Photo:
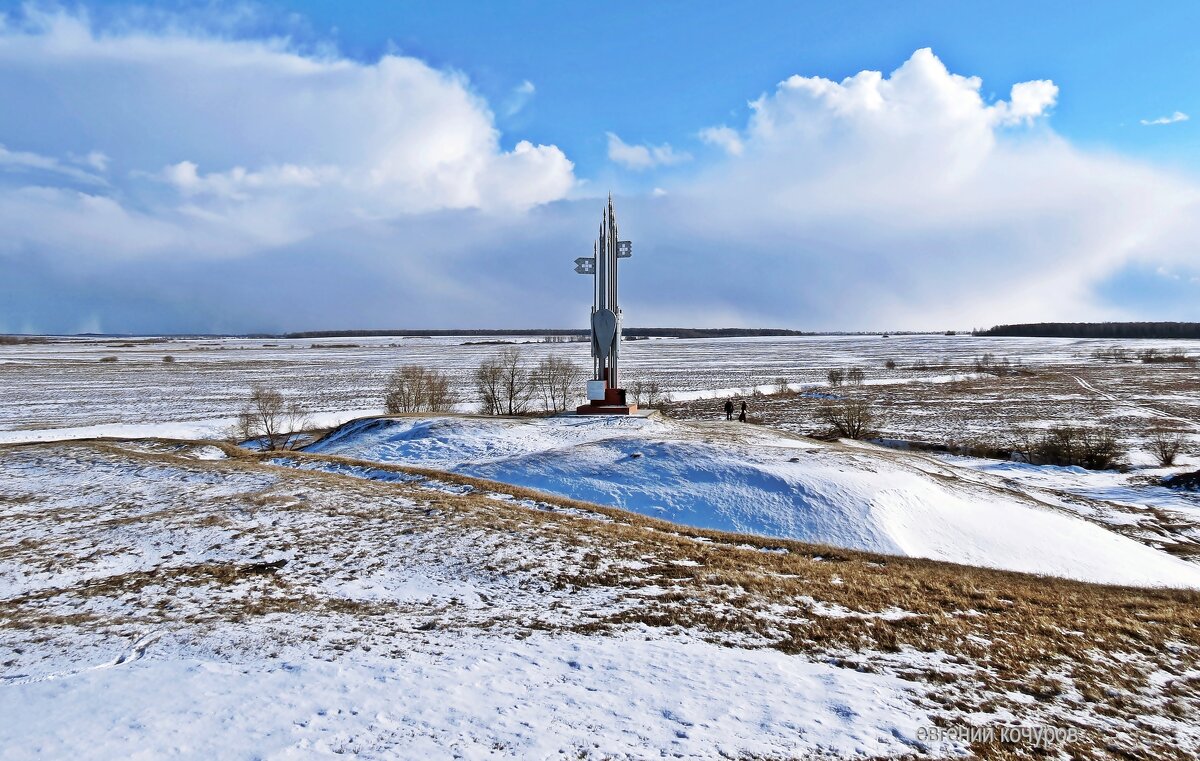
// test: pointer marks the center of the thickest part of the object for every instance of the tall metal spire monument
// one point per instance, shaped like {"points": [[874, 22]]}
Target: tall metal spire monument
{"points": [[605, 396]]}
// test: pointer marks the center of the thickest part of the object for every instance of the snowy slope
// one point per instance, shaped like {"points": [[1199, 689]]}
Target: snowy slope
{"points": [[390, 633], [470, 697], [748, 479]]}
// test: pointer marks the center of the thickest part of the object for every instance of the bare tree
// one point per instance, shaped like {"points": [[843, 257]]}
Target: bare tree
{"points": [[557, 380], [647, 394], [849, 418], [654, 395], [516, 384], [270, 419], [417, 389], [636, 390], [505, 387], [855, 376], [487, 385], [1166, 445], [836, 377]]}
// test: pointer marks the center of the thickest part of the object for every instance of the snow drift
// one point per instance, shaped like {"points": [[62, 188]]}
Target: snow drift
{"points": [[753, 480]]}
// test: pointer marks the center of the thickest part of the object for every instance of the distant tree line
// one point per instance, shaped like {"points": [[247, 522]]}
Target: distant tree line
{"points": [[1096, 330], [628, 332]]}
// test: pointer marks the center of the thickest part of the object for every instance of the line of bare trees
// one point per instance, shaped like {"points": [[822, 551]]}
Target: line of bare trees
{"points": [[506, 387], [503, 383]]}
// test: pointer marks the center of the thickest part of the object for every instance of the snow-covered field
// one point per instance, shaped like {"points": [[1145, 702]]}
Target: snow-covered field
{"points": [[160, 598], [747, 479], [63, 389]]}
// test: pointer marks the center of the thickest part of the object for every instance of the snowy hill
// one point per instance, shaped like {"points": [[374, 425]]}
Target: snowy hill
{"points": [[189, 600], [753, 480]]}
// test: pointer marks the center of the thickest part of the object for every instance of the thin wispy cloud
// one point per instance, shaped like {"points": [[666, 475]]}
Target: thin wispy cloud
{"points": [[639, 157], [28, 161], [519, 98], [1174, 118]]}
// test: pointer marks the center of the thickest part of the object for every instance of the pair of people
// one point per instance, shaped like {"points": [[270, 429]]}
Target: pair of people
{"points": [[729, 411]]}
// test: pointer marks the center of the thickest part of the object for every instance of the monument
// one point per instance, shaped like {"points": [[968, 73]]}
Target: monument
{"points": [[604, 393]]}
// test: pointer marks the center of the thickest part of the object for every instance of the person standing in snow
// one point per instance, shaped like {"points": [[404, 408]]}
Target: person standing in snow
{"points": [[742, 417], [729, 409]]}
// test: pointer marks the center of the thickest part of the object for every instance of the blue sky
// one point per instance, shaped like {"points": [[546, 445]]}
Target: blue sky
{"points": [[429, 161]]}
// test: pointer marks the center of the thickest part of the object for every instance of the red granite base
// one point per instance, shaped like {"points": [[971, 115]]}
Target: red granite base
{"points": [[612, 404], [606, 409]]}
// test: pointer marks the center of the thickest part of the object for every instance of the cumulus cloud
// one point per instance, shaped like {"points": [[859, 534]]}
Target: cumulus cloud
{"points": [[909, 199], [640, 157], [1027, 101], [393, 136], [1174, 118], [174, 146]]}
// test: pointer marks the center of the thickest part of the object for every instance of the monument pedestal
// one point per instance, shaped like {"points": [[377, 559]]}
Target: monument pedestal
{"points": [[613, 403]]}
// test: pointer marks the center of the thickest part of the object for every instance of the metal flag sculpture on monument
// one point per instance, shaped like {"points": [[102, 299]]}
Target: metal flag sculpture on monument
{"points": [[605, 396]]}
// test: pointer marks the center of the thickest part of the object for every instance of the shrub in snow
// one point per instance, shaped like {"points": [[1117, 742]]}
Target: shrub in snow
{"points": [[1166, 445], [1091, 447], [849, 418]]}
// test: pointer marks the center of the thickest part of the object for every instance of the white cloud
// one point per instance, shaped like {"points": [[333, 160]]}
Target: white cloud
{"points": [[907, 199], [97, 160], [26, 161], [240, 184], [395, 136], [159, 170], [519, 98], [1027, 101], [1174, 118], [723, 137], [640, 157]]}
